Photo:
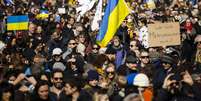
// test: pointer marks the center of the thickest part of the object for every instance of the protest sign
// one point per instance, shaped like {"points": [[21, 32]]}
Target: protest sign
{"points": [[164, 34], [61, 10]]}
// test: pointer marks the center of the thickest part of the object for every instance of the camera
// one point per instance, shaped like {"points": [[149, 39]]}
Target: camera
{"points": [[28, 85], [175, 87]]}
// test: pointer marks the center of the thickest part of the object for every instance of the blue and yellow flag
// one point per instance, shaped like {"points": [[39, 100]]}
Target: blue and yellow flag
{"points": [[17, 22], [43, 14], [115, 13]]}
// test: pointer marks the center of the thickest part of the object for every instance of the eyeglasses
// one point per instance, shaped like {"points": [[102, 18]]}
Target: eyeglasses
{"points": [[57, 55], [165, 63], [132, 62], [96, 48], [144, 56], [57, 78], [199, 42], [110, 73]]}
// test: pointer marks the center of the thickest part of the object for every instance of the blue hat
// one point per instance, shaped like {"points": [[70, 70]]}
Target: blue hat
{"points": [[92, 75], [130, 78]]}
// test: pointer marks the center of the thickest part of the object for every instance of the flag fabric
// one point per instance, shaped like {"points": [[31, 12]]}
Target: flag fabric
{"points": [[43, 14], [115, 13], [9, 2], [85, 5], [17, 22], [97, 17], [150, 4], [71, 2]]}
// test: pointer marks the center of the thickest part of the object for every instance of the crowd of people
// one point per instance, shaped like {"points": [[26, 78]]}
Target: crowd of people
{"points": [[58, 59]]}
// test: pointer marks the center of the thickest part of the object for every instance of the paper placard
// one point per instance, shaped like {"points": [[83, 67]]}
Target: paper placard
{"points": [[164, 34], [2, 45], [61, 10]]}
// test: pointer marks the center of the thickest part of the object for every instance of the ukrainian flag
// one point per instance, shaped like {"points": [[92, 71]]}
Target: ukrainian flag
{"points": [[43, 14], [17, 22], [115, 13]]}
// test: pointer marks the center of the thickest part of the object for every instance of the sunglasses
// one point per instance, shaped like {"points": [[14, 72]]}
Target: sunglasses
{"points": [[132, 62], [58, 79], [199, 42], [144, 56], [165, 63], [96, 48], [110, 73], [57, 55]]}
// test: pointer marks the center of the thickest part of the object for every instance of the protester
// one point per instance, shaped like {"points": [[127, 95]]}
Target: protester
{"points": [[85, 50], [57, 81], [41, 92]]}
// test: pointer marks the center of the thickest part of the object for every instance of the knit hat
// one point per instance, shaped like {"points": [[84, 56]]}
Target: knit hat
{"points": [[130, 96], [92, 75], [59, 65], [110, 51], [167, 59], [131, 59]]}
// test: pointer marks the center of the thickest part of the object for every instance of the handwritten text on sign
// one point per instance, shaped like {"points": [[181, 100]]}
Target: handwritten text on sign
{"points": [[164, 34]]}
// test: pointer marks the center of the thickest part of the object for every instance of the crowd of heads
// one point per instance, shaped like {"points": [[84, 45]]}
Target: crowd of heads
{"points": [[58, 59]]}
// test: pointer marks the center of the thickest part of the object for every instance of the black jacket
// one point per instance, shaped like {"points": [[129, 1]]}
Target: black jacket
{"points": [[184, 95]]}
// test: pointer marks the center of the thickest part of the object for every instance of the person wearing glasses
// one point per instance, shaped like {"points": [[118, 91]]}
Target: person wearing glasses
{"points": [[198, 52], [93, 54], [56, 62], [57, 81], [111, 77], [145, 66], [144, 59]]}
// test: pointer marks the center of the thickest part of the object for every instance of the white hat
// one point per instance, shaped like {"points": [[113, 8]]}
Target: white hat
{"points": [[198, 38], [56, 51], [141, 80]]}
